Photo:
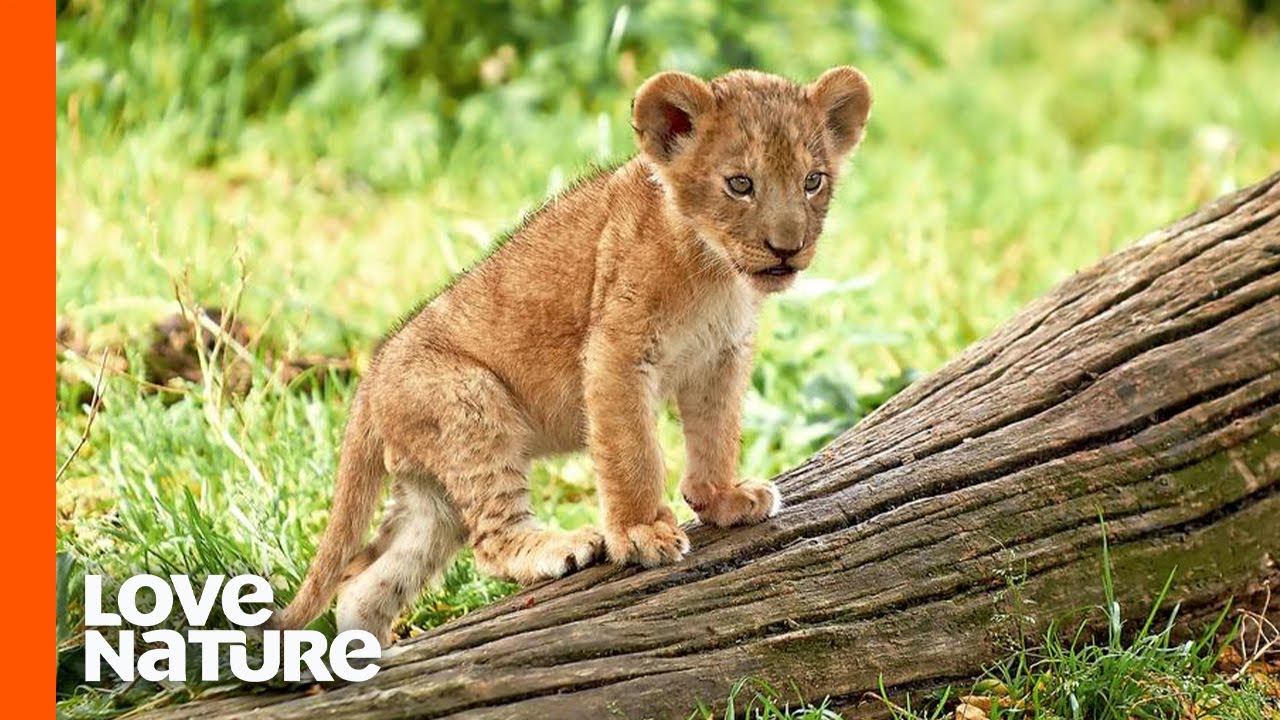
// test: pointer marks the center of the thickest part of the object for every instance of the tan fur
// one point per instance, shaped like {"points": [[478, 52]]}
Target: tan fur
{"points": [[638, 286]]}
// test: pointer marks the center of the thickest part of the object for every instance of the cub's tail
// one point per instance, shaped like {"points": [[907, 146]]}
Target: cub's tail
{"points": [[355, 498]]}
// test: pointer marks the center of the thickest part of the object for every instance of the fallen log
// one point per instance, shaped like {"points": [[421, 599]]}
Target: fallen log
{"points": [[1145, 388]]}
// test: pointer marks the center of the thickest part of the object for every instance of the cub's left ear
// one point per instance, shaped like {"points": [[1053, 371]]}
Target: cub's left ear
{"points": [[843, 95]]}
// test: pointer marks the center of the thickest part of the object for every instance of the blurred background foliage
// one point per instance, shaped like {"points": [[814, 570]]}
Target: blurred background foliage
{"points": [[208, 66], [216, 63], [320, 165]]}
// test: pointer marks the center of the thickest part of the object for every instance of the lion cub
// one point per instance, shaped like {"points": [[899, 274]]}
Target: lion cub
{"points": [[638, 285]]}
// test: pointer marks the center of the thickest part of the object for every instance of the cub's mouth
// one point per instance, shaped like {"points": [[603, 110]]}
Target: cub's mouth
{"points": [[779, 270], [774, 278]]}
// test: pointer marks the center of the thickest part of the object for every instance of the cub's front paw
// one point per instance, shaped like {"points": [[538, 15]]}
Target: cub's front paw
{"points": [[744, 504], [657, 543]]}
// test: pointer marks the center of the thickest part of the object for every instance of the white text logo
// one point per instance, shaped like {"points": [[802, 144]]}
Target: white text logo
{"points": [[289, 650]]}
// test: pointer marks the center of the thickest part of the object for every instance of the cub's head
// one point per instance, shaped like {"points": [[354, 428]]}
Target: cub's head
{"points": [[750, 159]]}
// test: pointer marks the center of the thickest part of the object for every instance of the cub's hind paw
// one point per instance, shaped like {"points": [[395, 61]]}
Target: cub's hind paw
{"points": [[747, 503], [657, 543], [565, 553]]}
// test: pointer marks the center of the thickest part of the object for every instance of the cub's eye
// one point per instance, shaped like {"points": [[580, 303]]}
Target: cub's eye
{"points": [[813, 182], [739, 185]]}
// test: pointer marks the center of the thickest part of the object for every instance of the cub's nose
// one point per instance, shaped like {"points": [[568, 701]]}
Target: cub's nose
{"points": [[782, 252]]}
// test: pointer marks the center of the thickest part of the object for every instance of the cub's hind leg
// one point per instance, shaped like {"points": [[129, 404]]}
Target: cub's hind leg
{"points": [[417, 539], [469, 432], [507, 541]]}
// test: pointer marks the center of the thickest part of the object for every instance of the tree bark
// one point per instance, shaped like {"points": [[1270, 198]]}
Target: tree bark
{"points": [[1145, 388]]}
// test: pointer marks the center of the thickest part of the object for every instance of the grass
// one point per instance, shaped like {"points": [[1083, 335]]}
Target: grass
{"points": [[1145, 674], [1009, 147], [1128, 673], [756, 699]]}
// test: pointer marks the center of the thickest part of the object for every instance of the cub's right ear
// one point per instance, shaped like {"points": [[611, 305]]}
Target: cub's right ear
{"points": [[665, 112]]}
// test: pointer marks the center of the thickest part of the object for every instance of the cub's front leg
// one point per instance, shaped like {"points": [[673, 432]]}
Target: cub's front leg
{"points": [[620, 390], [711, 412]]}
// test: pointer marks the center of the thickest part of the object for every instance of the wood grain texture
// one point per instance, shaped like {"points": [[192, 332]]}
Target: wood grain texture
{"points": [[1146, 387]]}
